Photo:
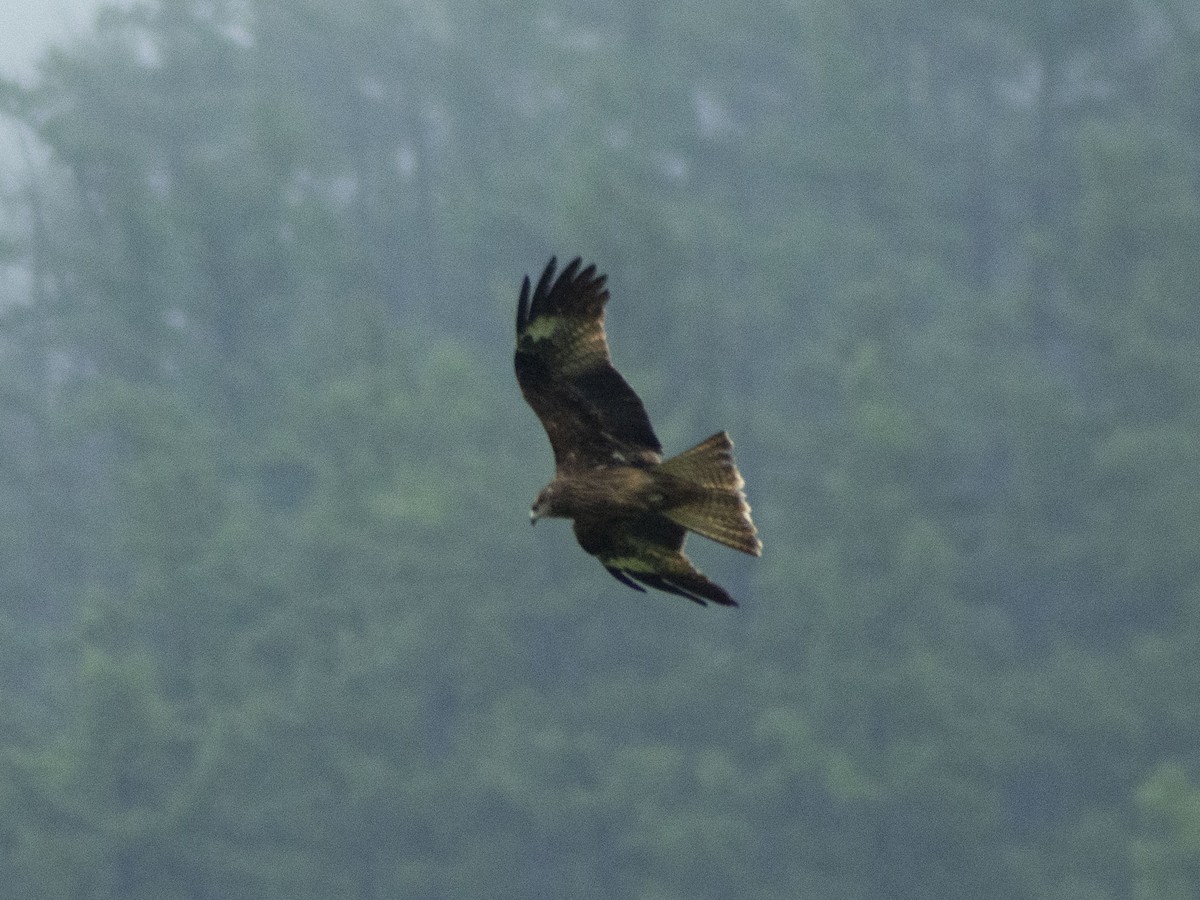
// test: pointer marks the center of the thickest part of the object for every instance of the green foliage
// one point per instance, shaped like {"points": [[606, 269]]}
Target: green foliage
{"points": [[270, 622]]}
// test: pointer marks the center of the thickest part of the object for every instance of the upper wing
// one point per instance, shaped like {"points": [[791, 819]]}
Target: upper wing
{"points": [[649, 550], [589, 411]]}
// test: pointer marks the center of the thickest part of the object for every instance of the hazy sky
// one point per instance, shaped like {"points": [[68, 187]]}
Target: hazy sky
{"points": [[27, 27]]}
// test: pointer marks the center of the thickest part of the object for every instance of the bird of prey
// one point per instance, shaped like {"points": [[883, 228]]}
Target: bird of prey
{"points": [[631, 509]]}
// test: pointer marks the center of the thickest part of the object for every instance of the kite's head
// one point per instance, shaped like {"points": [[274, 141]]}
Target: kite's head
{"points": [[543, 506]]}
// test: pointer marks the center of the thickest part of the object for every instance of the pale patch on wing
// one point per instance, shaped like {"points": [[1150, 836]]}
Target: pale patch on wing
{"points": [[542, 327]]}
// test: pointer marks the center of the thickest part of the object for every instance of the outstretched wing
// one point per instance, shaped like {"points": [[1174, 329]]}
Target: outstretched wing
{"points": [[589, 411], [649, 551]]}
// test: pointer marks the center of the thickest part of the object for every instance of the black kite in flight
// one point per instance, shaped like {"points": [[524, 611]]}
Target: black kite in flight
{"points": [[631, 509]]}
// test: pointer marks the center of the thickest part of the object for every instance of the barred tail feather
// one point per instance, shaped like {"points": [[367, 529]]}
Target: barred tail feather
{"points": [[718, 510], [724, 518], [709, 464]]}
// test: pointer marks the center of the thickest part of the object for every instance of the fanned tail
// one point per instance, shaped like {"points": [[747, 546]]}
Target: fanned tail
{"points": [[716, 507]]}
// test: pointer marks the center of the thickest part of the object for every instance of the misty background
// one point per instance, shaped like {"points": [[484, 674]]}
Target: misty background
{"points": [[272, 621], [29, 27]]}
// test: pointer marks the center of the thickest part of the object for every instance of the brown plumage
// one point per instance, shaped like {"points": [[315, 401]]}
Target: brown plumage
{"points": [[631, 509]]}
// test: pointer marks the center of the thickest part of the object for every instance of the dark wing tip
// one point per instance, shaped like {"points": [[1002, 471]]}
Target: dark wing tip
{"points": [[523, 307], [568, 274], [624, 579], [543, 289], [556, 289], [659, 583], [700, 591]]}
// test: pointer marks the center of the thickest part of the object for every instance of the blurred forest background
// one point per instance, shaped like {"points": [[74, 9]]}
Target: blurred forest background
{"points": [[272, 621]]}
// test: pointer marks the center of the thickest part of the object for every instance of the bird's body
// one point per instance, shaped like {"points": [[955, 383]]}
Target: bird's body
{"points": [[602, 491], [630, 508]]}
